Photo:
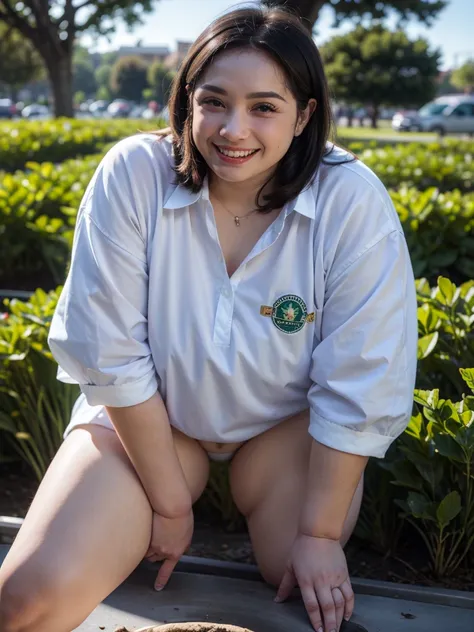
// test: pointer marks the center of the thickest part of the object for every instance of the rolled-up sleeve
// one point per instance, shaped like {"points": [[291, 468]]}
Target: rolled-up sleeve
{"points": [[99, 333], [363, 369]]}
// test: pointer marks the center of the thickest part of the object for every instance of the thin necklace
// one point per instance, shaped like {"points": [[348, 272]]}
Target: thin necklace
{"points": [[237, 218]]}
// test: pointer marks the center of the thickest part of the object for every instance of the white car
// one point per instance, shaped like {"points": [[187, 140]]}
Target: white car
{"points": [[36, 111], [451, 114]]}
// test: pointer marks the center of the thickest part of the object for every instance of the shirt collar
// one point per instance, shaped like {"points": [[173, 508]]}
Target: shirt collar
{"points": [[178, 196]]}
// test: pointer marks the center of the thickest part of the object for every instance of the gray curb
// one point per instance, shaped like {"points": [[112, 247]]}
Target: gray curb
{"points": [[9, 526]]}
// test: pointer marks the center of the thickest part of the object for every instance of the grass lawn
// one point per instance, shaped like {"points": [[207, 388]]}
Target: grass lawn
{"points": [[385, 132]]}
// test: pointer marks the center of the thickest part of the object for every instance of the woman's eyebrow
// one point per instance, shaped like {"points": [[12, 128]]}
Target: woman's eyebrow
{"points": [[253, 95]]}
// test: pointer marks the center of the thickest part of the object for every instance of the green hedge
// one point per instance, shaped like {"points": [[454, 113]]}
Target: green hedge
{"points": [[446, 166], [439, 228], [61, 139]]}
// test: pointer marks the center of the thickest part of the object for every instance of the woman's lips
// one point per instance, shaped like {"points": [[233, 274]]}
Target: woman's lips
{"points": [[233, 160]]}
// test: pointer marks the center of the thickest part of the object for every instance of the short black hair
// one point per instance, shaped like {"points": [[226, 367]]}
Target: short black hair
{"points": [[282, 36]]}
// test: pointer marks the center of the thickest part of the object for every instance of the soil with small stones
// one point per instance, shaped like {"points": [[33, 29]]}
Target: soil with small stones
{"points": [[211, 540]]}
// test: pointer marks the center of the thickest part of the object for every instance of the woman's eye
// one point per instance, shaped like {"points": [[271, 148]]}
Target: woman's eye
{"points": [[266, 107], [213, 102]]}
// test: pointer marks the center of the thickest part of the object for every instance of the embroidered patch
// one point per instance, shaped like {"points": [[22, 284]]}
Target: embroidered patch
{"points": [[289, 313]]}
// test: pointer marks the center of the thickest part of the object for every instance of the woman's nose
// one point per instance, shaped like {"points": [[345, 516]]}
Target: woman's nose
{"points": [[235, 126]]}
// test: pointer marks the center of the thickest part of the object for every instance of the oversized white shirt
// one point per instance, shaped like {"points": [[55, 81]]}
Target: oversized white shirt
{"points": [[321, 314]]}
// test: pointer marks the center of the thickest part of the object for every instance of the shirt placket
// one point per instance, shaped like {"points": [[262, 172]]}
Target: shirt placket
{"points": [[226, 301]]}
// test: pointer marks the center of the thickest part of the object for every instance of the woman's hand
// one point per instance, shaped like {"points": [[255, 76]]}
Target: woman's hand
{"points": [[170, 537], [318, 566]]}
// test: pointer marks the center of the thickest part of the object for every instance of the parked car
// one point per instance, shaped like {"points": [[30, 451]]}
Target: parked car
{"points": [[98, 108], [36, 111], [119, 108], [450, 114], [7, 109]]}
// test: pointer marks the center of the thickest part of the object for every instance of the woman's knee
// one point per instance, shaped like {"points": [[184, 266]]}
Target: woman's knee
{"points": [[27, 596]]}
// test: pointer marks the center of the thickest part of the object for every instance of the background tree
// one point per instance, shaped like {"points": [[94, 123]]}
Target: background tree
{"points": [[52, 26], [19, 61], [375, 66], [103, 75], [445, 85], [423, 10], [129, 78], [463, 77], [159, 80]]}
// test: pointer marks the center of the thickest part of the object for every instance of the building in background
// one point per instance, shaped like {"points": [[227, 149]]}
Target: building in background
{"points": [[149, 54], [174, 59]]}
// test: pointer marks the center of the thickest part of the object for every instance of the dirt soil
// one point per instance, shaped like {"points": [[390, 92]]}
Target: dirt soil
{"points": [[211, 540]]}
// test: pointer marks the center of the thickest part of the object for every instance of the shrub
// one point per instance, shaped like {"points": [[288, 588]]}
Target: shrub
{"points": [[445, 166], [439, 228], [61, 139], [435, 463], [446, 334], [34, 406]]}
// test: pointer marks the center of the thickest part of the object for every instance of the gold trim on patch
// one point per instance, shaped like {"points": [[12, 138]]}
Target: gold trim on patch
{"points": [[310, 318], [266, 310]]}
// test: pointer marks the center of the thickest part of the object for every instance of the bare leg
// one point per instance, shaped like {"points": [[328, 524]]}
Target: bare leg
{"points": [[268, 480], [87, 529]]}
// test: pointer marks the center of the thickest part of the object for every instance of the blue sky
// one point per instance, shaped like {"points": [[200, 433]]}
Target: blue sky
{"points": [[171, 20]]}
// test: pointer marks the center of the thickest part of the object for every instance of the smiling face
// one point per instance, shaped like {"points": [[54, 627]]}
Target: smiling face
{"points": [[245, 117]]}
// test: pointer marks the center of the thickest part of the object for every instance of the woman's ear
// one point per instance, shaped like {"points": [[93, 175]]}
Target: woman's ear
{"points": [[304, 116]]}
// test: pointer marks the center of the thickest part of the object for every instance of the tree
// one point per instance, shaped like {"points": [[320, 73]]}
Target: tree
{"points": [[160, 80], [423, 10], [84, 78], [52, 26], [463, 77], [102, 78], [375, 66], [129, 78], [19, 61]]}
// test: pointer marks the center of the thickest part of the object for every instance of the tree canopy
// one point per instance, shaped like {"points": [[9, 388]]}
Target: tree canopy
{"points": [[375, 66], [160, 80], [129, 78], [53, 25], [463, 77], [19, 61], [423, 10]]}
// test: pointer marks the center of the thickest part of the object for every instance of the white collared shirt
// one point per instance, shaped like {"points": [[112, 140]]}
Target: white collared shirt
{"points": [[320, 314]]}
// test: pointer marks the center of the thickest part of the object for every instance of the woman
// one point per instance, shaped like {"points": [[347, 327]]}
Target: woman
{"points": [[238, 290]]}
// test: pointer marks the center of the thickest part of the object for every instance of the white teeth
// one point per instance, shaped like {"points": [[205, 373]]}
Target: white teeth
{"points": [[236, 154]]}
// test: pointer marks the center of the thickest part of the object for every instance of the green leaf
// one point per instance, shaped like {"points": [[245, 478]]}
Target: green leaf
{"points": [[426, 398], [415, 425], [448, 448], [405, 475], [420, 506], [468, 376], [448, 290], [426, 344], [449, 508]]}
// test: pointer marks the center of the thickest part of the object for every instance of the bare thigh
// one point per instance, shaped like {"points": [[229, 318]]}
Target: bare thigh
{"points": [[268, 481], [87, 529]]}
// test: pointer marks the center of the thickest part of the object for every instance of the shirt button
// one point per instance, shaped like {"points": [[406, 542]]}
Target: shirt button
{"points": [[226, 293]]}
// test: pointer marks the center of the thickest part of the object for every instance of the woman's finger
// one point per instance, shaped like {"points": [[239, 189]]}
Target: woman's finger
{"points": [[165, 573], [339, 602], [286, 586], [326, 604], [312, 606], [151, 558], [348, 594]]}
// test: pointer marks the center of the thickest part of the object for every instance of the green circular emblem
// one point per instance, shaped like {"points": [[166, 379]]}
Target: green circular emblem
{"points": [[289, 313]]}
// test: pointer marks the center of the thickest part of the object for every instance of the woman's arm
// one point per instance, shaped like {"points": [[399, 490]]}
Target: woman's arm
{"points": [[145, 433], [333, 477], [99, 332]]}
